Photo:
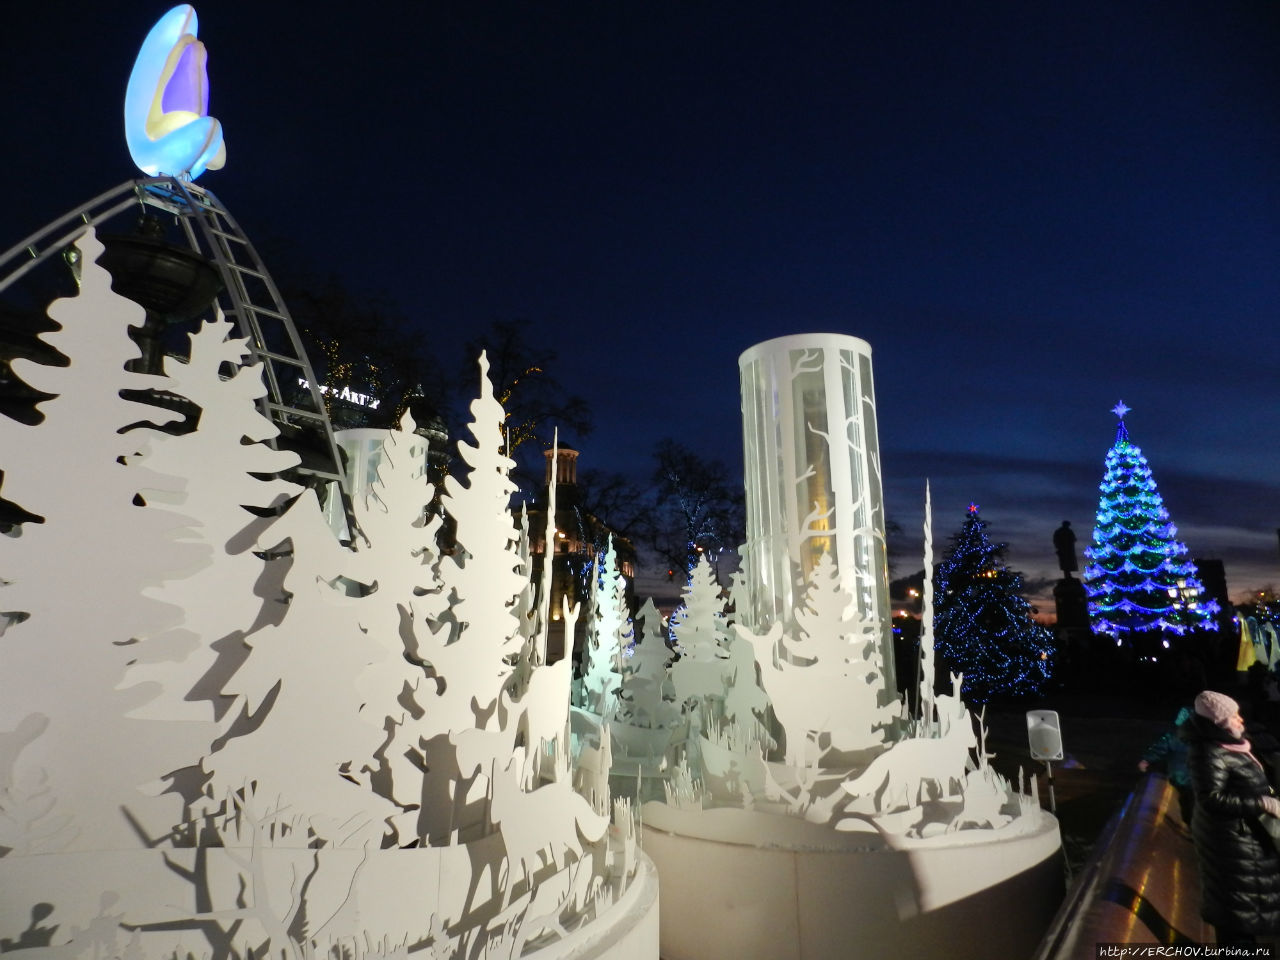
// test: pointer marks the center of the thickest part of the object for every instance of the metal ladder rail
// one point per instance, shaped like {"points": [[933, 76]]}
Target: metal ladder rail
{"points": [[187, 206], [53, 238], [185, 202], [236, 259]]}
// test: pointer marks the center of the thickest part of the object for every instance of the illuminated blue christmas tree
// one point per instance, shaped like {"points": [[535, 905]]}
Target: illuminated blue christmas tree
{"points": [[1141, 583], [982, 626]]}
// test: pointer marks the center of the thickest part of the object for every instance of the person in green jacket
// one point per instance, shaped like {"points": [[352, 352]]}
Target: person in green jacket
{"points": [[1168, 753]]}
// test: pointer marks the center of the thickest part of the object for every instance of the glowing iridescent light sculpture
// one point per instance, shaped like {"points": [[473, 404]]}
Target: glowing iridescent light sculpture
{"points": [[812, 471], [166, 105]]}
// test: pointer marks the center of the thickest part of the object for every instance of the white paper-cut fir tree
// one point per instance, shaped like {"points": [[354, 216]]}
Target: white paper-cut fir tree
{"points": [[825, 678], [608, 635], [231, 484], [846, 647], [548, 565], [740, 590], [399, 558], [534, 706], [482, 580], [495, 780], [26, 827], [746, 704], [925, 724], [322, 674], [591, 602], [746, 700], [527, 603], [470, 651], [305, 733], [697, 630], [648, 698], [82, 577], [733, 732]]}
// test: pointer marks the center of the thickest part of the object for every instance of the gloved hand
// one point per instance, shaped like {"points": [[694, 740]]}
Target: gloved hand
{"points": [[1271, 805]]}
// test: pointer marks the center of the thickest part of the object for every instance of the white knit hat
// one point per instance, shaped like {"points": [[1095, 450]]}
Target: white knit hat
{"points": [[1217, 707]]}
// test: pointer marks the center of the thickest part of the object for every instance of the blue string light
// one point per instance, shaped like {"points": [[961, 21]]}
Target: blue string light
{"points": [[982, 627], [1138, 576]]}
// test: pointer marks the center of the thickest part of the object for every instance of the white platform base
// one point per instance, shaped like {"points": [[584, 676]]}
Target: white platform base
{"points": [[797, 891], [105, 903], [629, 931]]}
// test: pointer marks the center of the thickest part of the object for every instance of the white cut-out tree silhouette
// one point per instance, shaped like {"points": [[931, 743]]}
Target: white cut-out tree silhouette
{"points": [[469, 652], [304, 735], [182, 610], [826, 677], [608, 634], [534, 706], [648, 697], [483, 578], [26, 827], [527, 603], [924, 717], [398, 562], [82, 578], [513, 707], [697, 630], [746, 704], [538, 655], [230, 485]]}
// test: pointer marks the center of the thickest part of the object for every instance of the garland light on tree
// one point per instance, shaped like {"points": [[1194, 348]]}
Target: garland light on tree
{"points": [[1139, 577], [982, 626]]}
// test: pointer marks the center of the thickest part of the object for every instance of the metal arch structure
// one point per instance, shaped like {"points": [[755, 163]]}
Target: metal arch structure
{"points": [[249, 297]]}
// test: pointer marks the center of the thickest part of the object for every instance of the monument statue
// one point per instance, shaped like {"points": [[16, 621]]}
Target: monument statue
{"points": [[1064, 542]]}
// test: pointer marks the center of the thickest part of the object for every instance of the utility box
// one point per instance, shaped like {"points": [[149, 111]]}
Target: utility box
{"points": [[1044, 734]]}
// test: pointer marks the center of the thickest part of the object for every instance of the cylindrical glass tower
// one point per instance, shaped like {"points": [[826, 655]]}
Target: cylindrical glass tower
{"points": [[811, 457]]}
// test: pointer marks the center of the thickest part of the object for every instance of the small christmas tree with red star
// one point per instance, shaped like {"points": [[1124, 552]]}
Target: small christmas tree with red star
{"points": [[982, 626]]}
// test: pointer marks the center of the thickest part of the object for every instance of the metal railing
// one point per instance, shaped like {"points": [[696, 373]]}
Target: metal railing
{"points": [[1140, 885]]}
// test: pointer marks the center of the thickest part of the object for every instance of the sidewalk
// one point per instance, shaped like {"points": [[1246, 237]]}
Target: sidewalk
{"points": [[1103, 738]]}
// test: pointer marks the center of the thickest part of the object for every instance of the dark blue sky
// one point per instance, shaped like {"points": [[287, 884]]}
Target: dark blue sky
{"points": [[1029, 210]]}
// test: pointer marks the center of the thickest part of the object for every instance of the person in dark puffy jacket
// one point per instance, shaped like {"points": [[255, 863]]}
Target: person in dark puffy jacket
{"points": [[1239, 865]]}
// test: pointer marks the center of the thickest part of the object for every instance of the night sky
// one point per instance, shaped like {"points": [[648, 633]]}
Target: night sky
{"points": [[1029, 210]]}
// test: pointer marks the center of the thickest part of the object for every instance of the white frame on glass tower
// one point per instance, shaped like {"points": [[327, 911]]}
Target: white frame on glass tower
{"points": [[811, 457]]}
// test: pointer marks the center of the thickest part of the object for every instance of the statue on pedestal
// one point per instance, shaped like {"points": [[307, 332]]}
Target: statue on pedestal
{"points": [[1064, 542]]}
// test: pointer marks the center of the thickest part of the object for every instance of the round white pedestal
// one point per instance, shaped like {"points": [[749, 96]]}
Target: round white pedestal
{"points": [[153, 904], [627, 931], [741, 885]]}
